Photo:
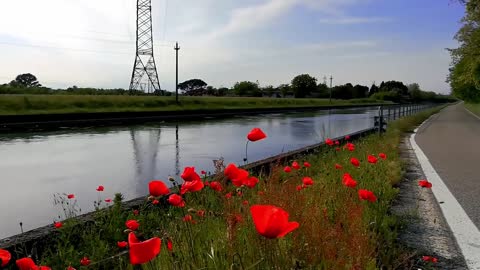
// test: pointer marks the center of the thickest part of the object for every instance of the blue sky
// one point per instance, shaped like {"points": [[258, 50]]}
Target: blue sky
{"points": [[91, 43]]}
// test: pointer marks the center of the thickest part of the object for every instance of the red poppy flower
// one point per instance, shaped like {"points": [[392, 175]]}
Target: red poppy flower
{"points": [[71, 268], [191, 186], [355, 162], [296, 166], [122, 244], [136, 212], [239, 193], [26, 264], [85, 261], [169, 245], [239, 177], [364, 194], [348, 181], [189, 174], [5, 257], [158, 188], [155, 202], [350, 147], [100, 188], [429, 259], [206, 183], [71, 196], [143, 252], [108, 200], [228, 195], [245, 202], [58, 225], [424, 184], [256, 134], [306, 164], [261, 193], [188, 218], [203, 172], [371, 159], [271, 221], [337, 143], [382, 156], [230, 170], [176, 200], [307, 181], [338, 149], [329, 142], [216, 186], [299, 187], [132, 224], [287, 169], [251, 182], [201, 213], [338, 166], [347, 137]]}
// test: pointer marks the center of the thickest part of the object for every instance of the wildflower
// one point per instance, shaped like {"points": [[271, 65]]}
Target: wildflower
{"points": [[299, 187], [189, 174], [236, 175], [347, 138], [158, 188], [251, 182], [143, 252], [287, 169], [382, 156], [28, 264], [429, 259], [122, 244], [295, 165], [71, 196], [261, 193], [337, 143], [188, 218], [338, 166], [256, 134], [348, 181], [424, 184], [216, 186], [306, 164], [307, 181], [350, 147], [5, 257], [108, 200], [85, 261], [136, 212], [371, 159], [245, 202], [71, 268], [364, 194], [203, 172], [176, 200], [338, 149], [155, 202], [191, 186], [100, 188], [206, 183], [169, 245], [58, 225], [132, 224], [355, 162], [239, 193], [201, 213], [228, 195], [329, 142], [271, 221]]}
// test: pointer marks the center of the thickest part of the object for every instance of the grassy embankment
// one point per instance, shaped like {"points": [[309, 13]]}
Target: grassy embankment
{"points": [[337, 229], [41, 104], [473, 107]]}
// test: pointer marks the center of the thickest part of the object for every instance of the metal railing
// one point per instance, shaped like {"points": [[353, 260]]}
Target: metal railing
{"points": [[387, 113]]}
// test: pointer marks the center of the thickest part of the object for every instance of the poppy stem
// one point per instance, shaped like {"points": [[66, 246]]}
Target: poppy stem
{"points": [[246, 153]]}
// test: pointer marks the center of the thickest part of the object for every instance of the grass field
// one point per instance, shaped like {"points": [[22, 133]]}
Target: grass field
{"points": [[473, 107], [42, 104], [215, 229]]}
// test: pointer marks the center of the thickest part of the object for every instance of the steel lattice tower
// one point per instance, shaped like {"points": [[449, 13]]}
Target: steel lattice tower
{"points": [[144, 60]]}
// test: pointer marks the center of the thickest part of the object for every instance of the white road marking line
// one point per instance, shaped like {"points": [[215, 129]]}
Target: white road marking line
{"points": [[464, 230], [476, 116]]}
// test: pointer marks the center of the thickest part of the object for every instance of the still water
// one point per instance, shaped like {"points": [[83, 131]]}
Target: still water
{"points": [[34, 166]]}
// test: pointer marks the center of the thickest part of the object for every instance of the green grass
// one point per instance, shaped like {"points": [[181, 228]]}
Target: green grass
{"points": [[473, 107], [337, 230], [43, 104]]}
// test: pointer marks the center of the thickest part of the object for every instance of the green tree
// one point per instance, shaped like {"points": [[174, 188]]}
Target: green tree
{"points": [[373, 89], [25, 80], [269, 90], [303, 85], [246, 88], [285, 89], [193, 87], [359, 91]]}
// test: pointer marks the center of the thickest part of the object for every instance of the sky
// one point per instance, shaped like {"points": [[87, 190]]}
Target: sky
{"points": [[91, 43]]}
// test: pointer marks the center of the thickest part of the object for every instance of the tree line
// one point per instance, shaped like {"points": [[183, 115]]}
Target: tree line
{"points": [[464, 76], [301, 86]]}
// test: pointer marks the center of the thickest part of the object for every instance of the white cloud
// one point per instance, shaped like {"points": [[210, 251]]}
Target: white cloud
{"points": [[354, 20]]}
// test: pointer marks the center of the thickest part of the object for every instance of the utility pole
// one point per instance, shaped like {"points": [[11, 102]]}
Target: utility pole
{"points": [[331, 79], [325, 80], [176, 77]]}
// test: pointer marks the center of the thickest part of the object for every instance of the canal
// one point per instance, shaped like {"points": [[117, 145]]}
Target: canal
{"points": [[35, 166]]}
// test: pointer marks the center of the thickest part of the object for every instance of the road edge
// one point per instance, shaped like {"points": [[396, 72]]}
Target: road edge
{"points": [[464, 230]]}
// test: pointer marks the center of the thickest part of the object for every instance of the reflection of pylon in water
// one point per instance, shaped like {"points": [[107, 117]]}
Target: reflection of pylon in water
{"points": [[177, 153], [145, 148]]}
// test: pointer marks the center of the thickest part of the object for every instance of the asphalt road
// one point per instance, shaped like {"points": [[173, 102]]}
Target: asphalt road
{"points": [[451, 141]]}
